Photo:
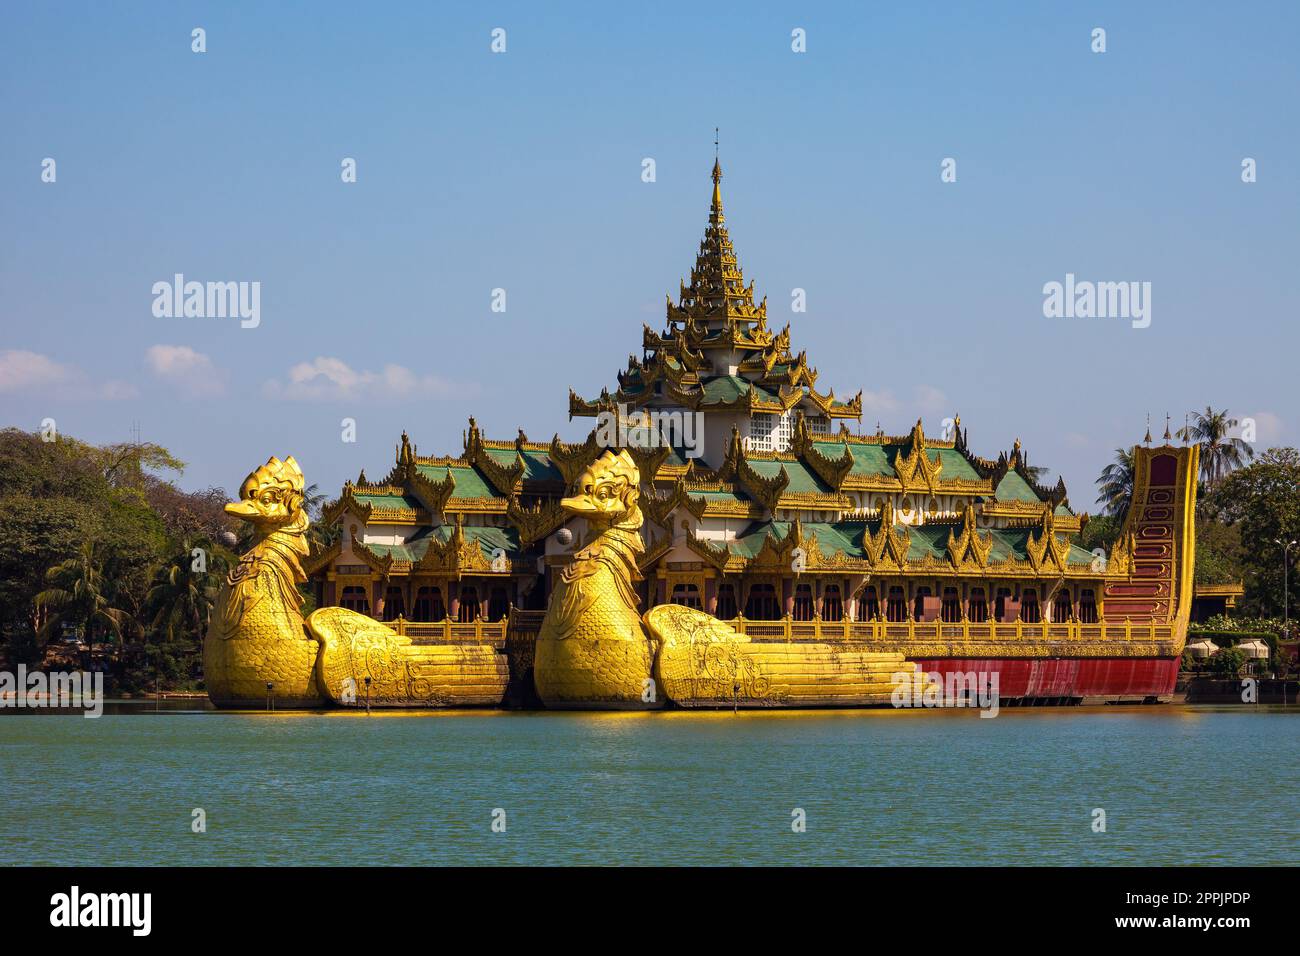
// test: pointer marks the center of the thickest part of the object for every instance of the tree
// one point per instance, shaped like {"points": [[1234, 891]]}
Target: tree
{"points": [[1220, 454], [1116, 485], [1228, 662], [1263, 501], [179, 603], [1100, 532], [79, 594], [128, 464], [1218, 552], [55, 496]]}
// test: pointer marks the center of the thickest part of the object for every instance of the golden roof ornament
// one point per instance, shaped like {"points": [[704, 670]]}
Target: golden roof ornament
{"points": [[715, 211]]}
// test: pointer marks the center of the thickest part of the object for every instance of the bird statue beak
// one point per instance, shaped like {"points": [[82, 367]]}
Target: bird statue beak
{"points": [[578, 505], [241, 509]]}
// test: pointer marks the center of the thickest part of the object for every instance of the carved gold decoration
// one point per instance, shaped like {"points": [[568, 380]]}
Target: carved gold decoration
{"points": [[433, 495], [505, 479], [887, 548], [970, 549], [536, 522], [1047, 546], [703, 662], [660, 508], [572, 460], [916, 468], [364, 663]]}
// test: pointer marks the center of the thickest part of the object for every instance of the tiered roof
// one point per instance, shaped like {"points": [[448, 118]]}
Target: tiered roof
{"points": [[1003, 518]]}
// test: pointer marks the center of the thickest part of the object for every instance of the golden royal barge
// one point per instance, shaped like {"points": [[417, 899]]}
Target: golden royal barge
{"points": [[781, 558]]}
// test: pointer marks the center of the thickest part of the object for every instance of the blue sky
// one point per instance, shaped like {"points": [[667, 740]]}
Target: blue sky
{"points": [[522, 171]]}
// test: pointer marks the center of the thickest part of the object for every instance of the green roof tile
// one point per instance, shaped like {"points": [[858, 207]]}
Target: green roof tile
{"points": [[537, 464], [387, 501], [955, 465], [802, 478], [1014, 488]]}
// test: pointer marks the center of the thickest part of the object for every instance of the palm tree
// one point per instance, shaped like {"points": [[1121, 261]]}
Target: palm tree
{"points": [[312, 500], [1116, 484], [181, 598], [1220, 454], [79, 594]]}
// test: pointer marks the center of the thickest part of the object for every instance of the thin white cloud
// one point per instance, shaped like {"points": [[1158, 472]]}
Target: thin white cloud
{"points": [[931, 400], [881, 402], [191, 373], [37, 374], [1268, 428], [24, 371], [325, 379], [927, 400]]}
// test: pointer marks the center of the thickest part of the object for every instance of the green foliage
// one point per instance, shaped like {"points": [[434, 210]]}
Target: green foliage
{"points": [[1227, 662], [91, 534], [1100, 532], [1247, 625], [1220, 453], [1262, 501], [1219, 558], [1115, 485], [184, 589]]}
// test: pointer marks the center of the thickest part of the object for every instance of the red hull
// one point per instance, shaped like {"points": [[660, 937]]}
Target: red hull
{"points": [[1057, 678]]}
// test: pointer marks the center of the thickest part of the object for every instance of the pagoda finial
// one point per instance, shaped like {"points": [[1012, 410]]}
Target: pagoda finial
{"points": [[1168, 437], [715, 211], [1147, 439]]}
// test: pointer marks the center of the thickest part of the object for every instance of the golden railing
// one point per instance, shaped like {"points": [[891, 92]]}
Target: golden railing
{"points": [[889, 632], [452, 632], [964, 631]]}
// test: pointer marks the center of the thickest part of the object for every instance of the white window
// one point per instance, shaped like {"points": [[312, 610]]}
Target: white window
{"points": [[771, 432], [783, 432], [761, 426]]}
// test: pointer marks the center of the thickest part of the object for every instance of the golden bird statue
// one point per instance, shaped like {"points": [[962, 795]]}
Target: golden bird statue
{"points": [[259, 650], [592, 650], [595, 651]]}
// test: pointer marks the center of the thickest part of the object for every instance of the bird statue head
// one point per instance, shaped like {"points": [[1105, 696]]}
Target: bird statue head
{"points": [[271, 497], [606, 492]]}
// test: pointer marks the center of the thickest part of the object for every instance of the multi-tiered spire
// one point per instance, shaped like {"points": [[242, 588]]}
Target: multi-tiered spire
{"points": [[717, 351], [717, 291]]}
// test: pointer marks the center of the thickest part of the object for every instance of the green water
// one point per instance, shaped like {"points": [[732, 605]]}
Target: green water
{"points": [[1178, 784]]}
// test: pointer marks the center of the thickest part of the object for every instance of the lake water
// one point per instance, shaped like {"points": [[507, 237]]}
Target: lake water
{"points": [[1178, 784]]}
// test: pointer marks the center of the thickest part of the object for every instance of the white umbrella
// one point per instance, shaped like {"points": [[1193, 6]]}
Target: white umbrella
{"points": [[1203, 648], [1256, 649]]}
